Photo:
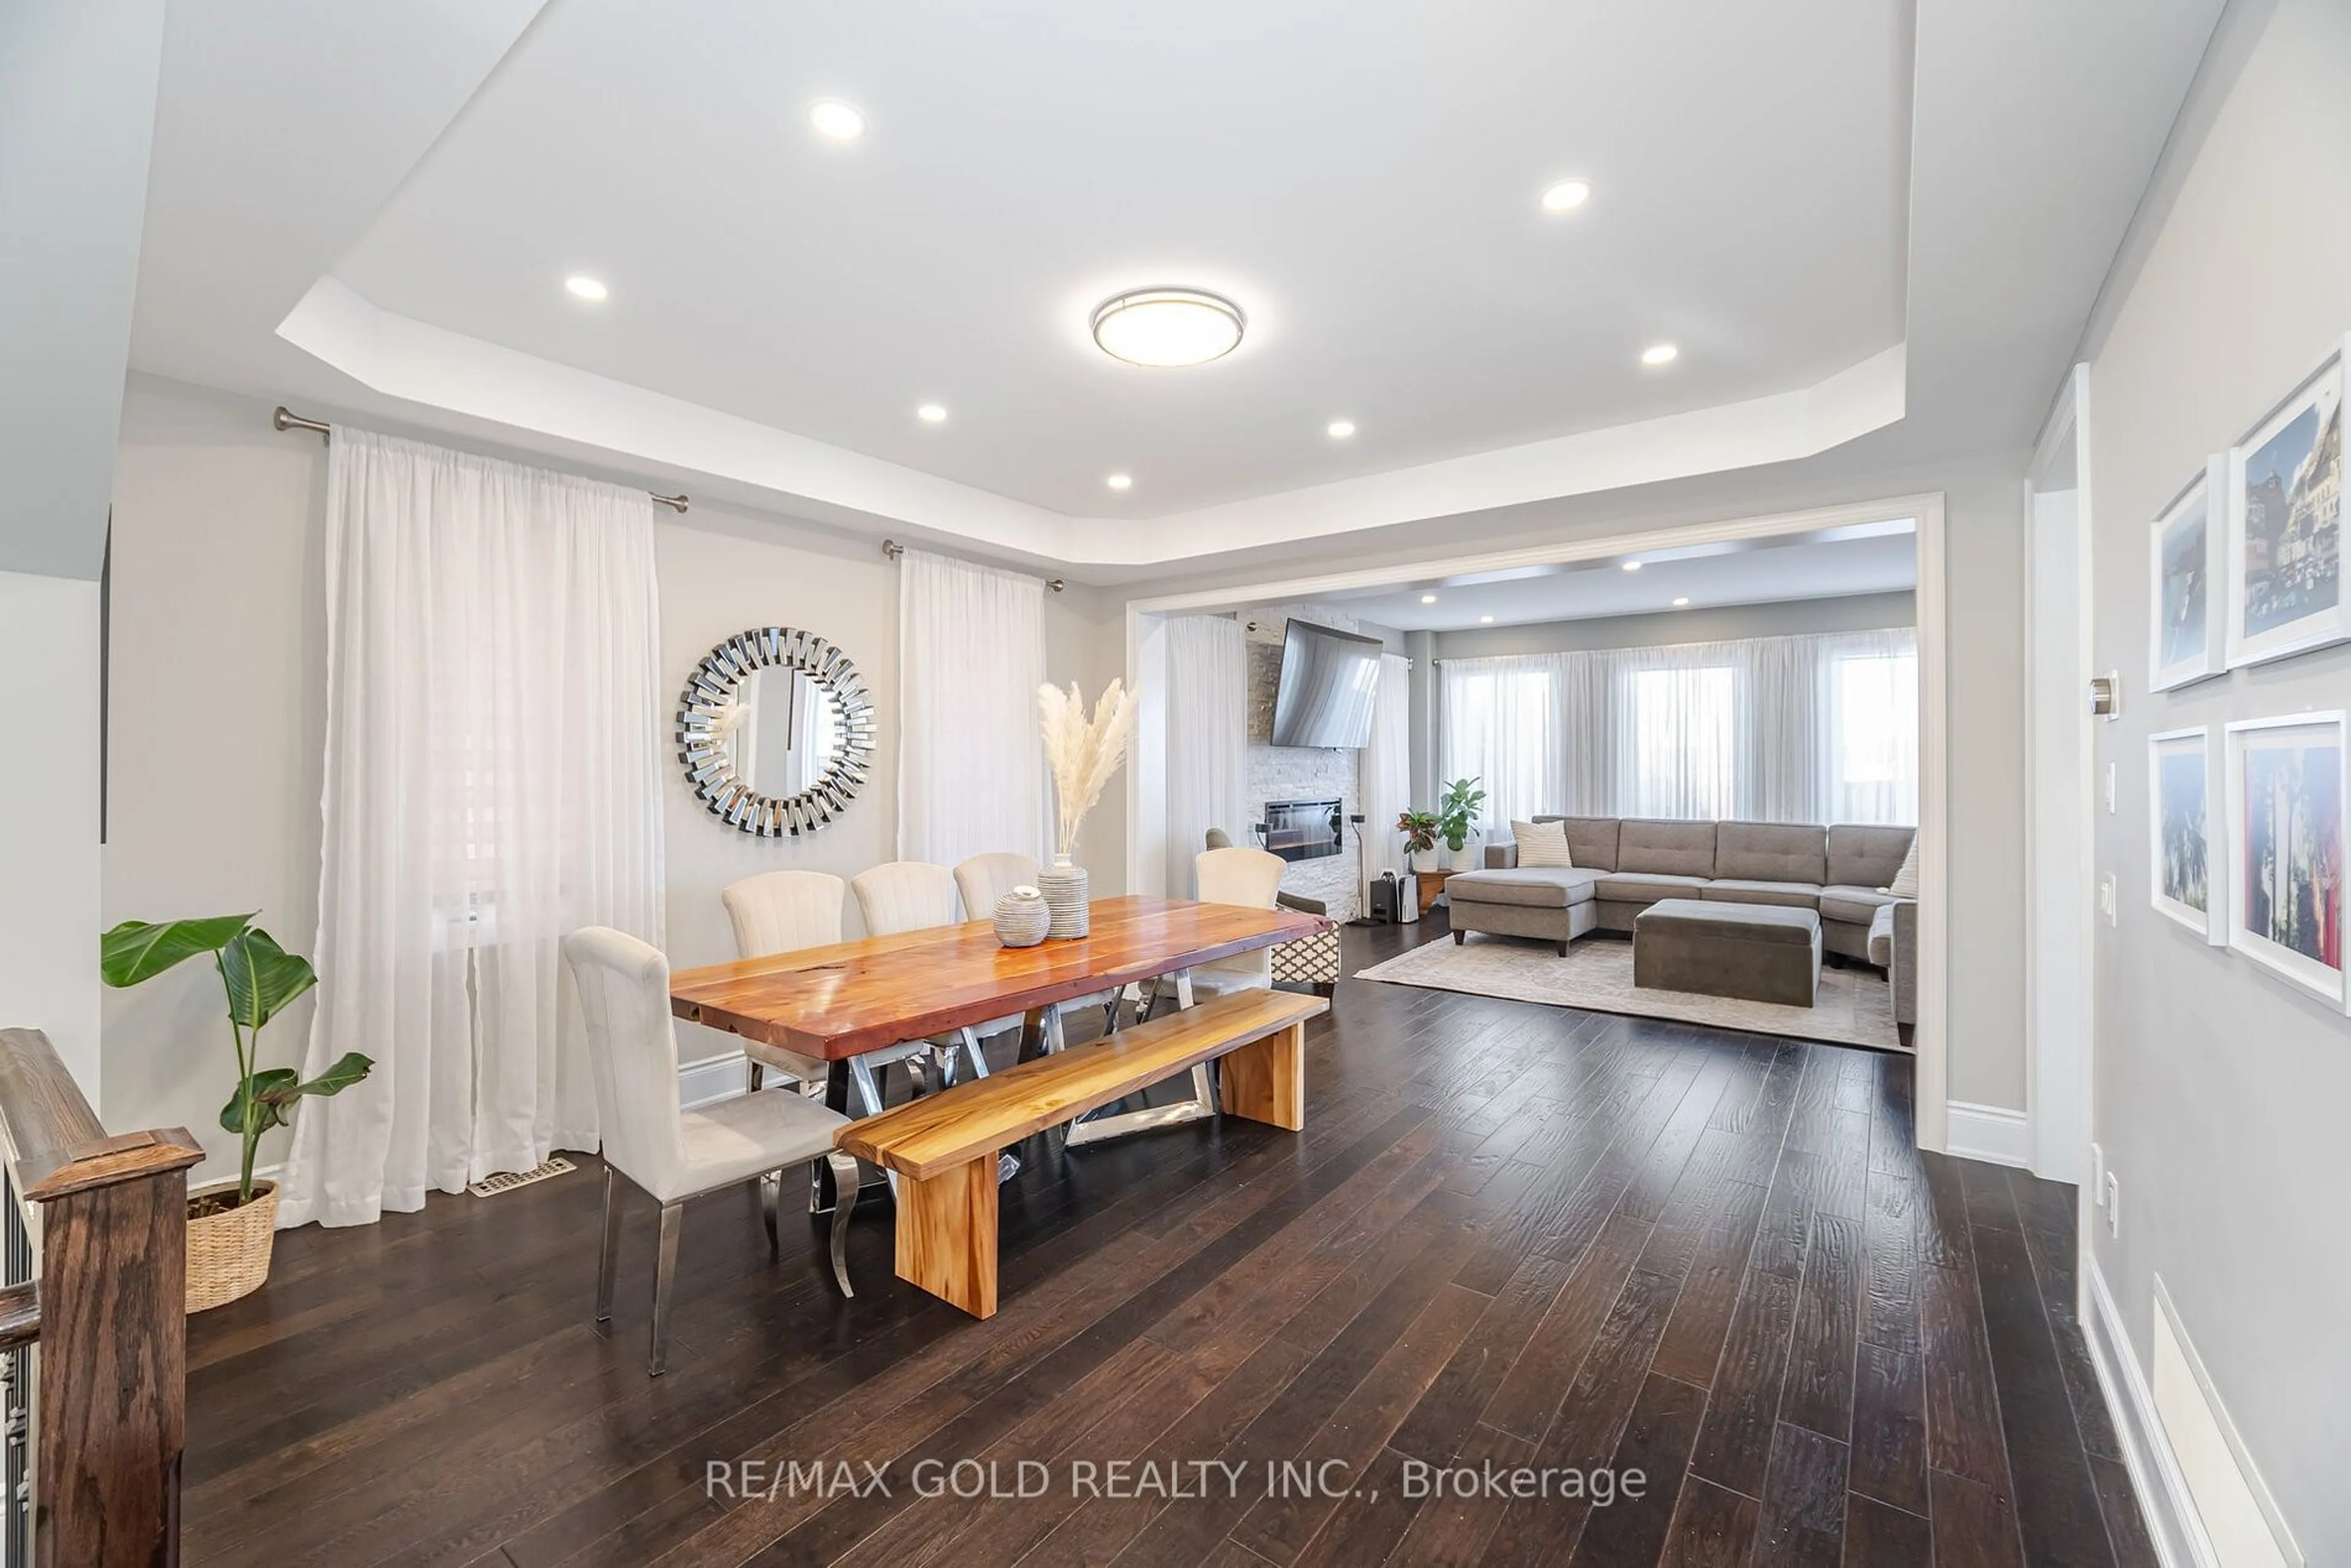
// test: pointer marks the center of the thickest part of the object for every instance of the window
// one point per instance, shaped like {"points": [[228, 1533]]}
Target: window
{"points": [[1874, 749], [1685, 742], [1499, 727]]}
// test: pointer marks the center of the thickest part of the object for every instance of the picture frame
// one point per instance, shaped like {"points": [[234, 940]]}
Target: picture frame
{"points": [[2186, 879], [2289, 820], [2285, 525], [2187, 558]]}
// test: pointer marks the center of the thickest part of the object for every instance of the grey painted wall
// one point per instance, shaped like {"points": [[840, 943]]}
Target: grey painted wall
{"points": [[219, 713], [2220, 1094], [1719, 623], [77, 117]]}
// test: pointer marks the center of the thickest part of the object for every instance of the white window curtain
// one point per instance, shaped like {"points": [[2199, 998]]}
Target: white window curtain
{"points": [[1819, 728], [493, 780], [1384, 768], [1504, 725], [971, 758], [1207, 739]]}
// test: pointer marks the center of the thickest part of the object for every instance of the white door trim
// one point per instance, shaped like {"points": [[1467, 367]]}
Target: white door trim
{"points": [[1146, 847], [2058, 1112]]}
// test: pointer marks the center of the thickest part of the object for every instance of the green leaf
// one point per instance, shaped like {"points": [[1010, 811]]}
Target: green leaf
{"points": [[137, 950], [271, 1091], [261, 976], [275, 1092], [339, 1077]]}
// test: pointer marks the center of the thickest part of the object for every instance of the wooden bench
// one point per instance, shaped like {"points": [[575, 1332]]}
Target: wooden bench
{"points": [[944, 1145]]}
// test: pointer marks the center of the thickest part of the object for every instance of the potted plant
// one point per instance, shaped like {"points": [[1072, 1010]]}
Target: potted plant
{"points": [[232, 1226], [1419, 830], [1457, 813]]}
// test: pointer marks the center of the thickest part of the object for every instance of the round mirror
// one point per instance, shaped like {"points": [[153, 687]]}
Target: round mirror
{"points": [[776, 731]]}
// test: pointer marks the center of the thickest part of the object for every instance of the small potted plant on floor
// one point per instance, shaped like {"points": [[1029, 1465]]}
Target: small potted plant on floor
{"points": [[232, 1226], [1419, 830], [1457, 816]]}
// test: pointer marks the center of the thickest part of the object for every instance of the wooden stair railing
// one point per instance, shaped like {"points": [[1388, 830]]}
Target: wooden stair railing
{"points": [[93, 1322]]}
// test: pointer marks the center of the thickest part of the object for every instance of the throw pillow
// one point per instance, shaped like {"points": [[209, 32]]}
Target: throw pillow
{"points": [[1905, 880], [1542, 844]]}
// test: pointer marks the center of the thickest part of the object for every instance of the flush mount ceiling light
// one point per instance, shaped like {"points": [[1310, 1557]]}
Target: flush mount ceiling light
{"points": [[1660, 354], [1429, 599], [582, 286], [931, 413], [1484, 620], [1163, 328], [1566, 196], [1339, 429], [837, 119], [1680, 603], [1120, 481], [1631, 565]]}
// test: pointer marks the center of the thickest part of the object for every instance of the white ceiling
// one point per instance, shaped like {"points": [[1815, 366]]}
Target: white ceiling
{"points": [[1360, 175], [1830, 564], [1845, 230]]}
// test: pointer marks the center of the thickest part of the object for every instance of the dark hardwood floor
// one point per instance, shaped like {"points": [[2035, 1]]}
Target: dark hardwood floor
{"points": [[1511, 1236]]}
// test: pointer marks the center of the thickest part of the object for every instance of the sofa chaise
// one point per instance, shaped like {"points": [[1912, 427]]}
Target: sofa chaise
{"points": [[1624, 864]]}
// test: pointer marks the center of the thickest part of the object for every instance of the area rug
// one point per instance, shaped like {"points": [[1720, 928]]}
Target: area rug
{"points": [[1856, 1005]]}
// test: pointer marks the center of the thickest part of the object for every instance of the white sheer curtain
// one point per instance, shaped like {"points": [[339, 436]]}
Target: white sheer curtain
{"points": [[1207, 739], [1384, 768], [1819, 728], [493, 780], [1868, 727], [1504, 723], [971, 762]]}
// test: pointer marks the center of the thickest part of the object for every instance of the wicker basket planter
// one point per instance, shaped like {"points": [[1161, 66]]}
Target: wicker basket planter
{"points": [[228, 1253]]}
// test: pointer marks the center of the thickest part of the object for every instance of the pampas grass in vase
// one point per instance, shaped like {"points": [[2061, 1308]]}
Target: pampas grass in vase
{"points": [[1081, 753]]}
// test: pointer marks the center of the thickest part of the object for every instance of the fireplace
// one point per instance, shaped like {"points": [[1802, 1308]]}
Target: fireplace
{"points": [[1301, 830]]}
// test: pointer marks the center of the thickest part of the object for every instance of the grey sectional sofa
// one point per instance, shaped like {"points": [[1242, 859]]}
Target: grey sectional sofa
{"points": [[1624, 864]]}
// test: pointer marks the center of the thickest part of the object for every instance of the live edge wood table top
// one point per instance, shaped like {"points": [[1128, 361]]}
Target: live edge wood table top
{"points": [[853, 998]]}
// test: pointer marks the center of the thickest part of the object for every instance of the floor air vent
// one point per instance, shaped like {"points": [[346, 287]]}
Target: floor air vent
{"points": [[507, 1181]]}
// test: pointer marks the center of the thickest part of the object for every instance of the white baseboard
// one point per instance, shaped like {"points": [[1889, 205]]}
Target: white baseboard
{"points": [[1992, 1132], [2156, 1476], [710, 1080]]}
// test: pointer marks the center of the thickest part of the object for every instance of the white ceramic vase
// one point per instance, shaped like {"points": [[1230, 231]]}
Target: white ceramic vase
{"points": [[1022, 917], [1064, 887]]}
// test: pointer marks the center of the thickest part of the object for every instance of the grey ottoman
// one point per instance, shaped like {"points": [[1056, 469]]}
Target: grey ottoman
{"points": [[1555, 906], [1755, 952]]}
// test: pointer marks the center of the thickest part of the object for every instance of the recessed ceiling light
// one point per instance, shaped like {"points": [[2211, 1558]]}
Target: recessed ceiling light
{"points": [[1120, 481], [1567, 195], [1484, 620], [1631, 565], [582, 286], [837, 119], [1342, 428], [1429, 599], [1679, 603], [931, 413], [1660, 354], [1164, 327]]}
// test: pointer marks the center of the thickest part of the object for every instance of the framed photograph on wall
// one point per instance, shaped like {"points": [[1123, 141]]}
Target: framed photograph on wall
{"points": [[2287, 826], [2285, 526], [2185, 555], [2186, 877]]}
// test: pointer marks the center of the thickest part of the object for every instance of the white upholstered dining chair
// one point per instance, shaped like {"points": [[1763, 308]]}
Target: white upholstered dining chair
{"points": [[984, 880], [1234, 875], [675, 1154], [783, 912]]}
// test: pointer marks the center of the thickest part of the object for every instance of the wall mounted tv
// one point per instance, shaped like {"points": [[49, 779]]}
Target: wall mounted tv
{"points": [[1329, 682]]}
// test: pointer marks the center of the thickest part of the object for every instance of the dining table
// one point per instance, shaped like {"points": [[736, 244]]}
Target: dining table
{"points": [[846, 1001]]}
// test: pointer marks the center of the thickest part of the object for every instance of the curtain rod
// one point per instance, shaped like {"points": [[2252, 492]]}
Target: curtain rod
{"points": [[286, 419], [892, 549]]}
